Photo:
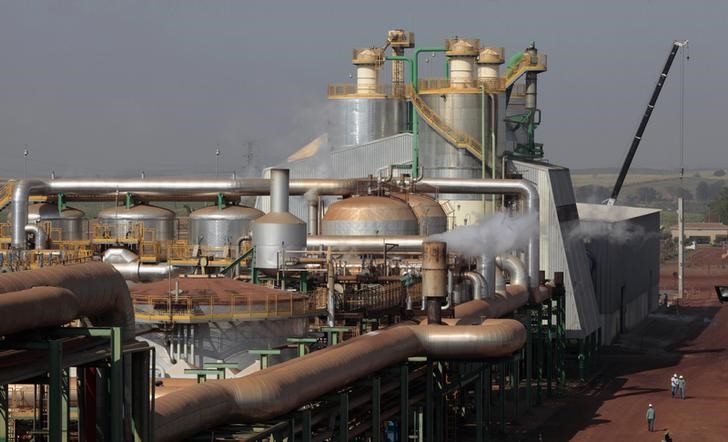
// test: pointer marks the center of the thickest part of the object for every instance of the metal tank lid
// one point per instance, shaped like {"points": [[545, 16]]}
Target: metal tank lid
{"points": [[50, 211], [233, 212], [138, 211], [360, 208]]}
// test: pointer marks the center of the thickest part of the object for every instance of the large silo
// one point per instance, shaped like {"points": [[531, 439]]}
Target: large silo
{"points": [[365, 111], [122, 220], [220, 227], [68, 220], [431, 218]]}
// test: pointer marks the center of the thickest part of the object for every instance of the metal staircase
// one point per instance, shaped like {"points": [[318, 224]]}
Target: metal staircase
{"points": [[458, 139], [525, 64], [6, 194]]}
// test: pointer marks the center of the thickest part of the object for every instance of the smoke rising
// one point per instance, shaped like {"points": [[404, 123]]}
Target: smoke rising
{"points": [[497, 234], [616, 233]]}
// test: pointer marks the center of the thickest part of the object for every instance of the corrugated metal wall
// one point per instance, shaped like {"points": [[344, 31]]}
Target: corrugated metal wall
{"points": [[625, 269], [561, 250]]}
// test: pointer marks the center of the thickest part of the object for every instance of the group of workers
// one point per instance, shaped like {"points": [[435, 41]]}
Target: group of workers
{"points": [[677, 389]]}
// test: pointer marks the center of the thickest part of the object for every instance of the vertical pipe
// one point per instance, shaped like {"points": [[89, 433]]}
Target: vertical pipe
{"points": [[279, 190], [330, 304], [404, 402], [434, 278], [486, 267], [192, 344], [680, 249], [313, 211]]}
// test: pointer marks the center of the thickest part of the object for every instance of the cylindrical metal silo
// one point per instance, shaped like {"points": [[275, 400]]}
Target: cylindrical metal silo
{"points": [[460, 111], [122, 220], [357, 120], [369, 215], [69, 220], [430, 215], [278, 231], [219, 227]]}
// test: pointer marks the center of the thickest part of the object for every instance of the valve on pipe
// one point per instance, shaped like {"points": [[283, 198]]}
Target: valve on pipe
{"points": [[434, 278]]}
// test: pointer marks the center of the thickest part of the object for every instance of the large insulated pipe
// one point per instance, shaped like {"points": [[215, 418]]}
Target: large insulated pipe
{"points": [[514, 267], [500, 304], [41, 238], [527, 191], [279, 193], [204, 188], [284, 387], [312, 199], [434, 278], [56, 295], [366, 243]]}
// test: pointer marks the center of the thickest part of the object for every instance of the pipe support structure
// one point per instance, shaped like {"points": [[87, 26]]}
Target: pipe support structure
{"points": [[53, 296], [41, 237], [284, 387]]}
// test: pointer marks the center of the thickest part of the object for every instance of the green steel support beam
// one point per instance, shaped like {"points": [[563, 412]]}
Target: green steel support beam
{"points": [[439, 423], [516, 376], [292, 429], [479, 407], [404, 402], [117, 385], [429, 403], [55, 395], [582, 362], [264, 354], [502, 394], [334, 335], [344, 416], [306, 425], [529, 358], [4, 416], [489, 395], [376, 409], [549, 350], [301, 344]]}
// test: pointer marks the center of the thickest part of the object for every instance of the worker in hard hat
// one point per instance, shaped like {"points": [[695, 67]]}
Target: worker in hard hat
{"points": [[650, 418], [681, 386], [673, 385]]}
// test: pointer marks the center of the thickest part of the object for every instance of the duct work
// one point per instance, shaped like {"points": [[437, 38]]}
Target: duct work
{"points": [[127, 263], [54, 296]]}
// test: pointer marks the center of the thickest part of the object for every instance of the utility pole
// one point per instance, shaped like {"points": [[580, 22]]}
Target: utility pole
{"points": [[217, 161], [26, 154], [680, 249]]}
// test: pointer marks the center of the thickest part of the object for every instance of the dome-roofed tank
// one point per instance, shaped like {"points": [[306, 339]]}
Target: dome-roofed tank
{"points": [[369, 215], [122, 220], [69, 220], [277, 231], [430, 215], [213, 226]]}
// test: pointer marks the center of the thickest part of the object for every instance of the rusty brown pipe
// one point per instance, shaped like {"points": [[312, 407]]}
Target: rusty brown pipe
{"points": [[282, 388], [57, 295], [472, 312]]}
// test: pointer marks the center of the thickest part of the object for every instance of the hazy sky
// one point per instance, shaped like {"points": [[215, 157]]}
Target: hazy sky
{"points": [[115, 87]]}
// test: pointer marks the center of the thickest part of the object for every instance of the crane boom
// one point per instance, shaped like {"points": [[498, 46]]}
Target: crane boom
{"points": [[676, 45]]}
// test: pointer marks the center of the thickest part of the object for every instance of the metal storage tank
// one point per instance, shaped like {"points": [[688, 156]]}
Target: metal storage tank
{"points": [[218, 227], [69, 220], [460, 111], [430, 215], [278, 230], [355, 121], [121, 219], [369, 215]]}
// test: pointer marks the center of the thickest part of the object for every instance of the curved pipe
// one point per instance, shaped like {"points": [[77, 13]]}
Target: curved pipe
{"points": [[284, 387], [367, 243], [524, 188], [500, 304], [116, 255], [139, 272], [514, 267], [41, 238], [56, 295], [478, 283]]}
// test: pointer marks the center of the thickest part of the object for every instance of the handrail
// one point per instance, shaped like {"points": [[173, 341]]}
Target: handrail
{"points": [[458, 139], [6, 194], [525, 64], [350, 90]]}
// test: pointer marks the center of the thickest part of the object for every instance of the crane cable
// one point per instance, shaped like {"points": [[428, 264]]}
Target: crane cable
{"points": [[683, 60]]}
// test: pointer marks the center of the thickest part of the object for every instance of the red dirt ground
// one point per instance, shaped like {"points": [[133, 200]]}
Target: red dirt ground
{"points": [[688, 339]]}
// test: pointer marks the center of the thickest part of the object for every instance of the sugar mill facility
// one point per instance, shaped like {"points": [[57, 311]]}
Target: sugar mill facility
{"points": [[418, 272]]}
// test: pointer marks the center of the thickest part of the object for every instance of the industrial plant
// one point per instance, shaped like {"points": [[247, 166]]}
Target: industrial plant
{"points": [[421, 271]]}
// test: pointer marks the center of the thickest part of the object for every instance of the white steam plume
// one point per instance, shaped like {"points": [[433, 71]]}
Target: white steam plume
{"points": [[498, 234]]}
